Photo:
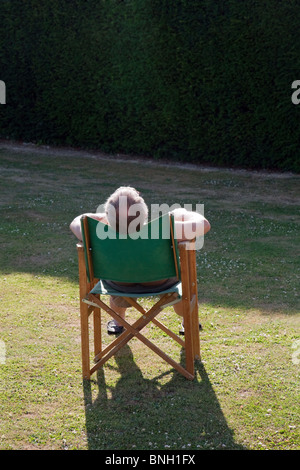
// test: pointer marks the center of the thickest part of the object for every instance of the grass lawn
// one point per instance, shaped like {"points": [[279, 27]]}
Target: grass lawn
{"points": [[246, 391]]}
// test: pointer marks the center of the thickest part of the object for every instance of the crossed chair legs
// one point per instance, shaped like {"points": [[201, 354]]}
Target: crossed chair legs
{"points": [[93, 302]]}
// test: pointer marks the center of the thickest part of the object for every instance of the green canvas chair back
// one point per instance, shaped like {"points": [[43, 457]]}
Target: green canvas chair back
{"points": [[145, 256]]}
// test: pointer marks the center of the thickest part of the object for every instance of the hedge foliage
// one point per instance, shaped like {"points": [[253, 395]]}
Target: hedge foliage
{"points": [[195, 80]]}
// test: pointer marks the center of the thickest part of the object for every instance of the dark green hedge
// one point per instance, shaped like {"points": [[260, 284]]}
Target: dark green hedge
{"points": [[195, 80]]}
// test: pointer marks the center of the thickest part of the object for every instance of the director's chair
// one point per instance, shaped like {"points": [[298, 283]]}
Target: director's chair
{"points": [[149, 255]]}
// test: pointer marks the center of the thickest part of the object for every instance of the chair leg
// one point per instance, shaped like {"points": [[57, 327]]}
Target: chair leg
{"points": [[195, 332], [84, 287], [188, 339], [85, 349], [194, 295], [188, 309]]}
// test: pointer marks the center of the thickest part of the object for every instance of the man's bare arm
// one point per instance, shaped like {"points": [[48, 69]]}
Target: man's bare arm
{"points": [[189, 224], [75, 225]]}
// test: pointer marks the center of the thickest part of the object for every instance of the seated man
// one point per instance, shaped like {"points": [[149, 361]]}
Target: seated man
{"points": [[121, 210]]}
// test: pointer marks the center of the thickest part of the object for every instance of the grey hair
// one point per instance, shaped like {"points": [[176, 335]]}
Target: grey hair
{"points": [[132, 197]]}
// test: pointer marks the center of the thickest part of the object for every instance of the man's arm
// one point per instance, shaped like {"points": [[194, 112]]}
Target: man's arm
{"points": [[75, 225], [189, 225]]}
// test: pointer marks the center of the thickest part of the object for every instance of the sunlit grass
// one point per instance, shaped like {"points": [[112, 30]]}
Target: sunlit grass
{"points": [[246, 390]]}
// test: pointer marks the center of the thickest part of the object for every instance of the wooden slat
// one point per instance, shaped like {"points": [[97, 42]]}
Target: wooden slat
{"points": [[194, 307], [174, 248], [88, 247], [189, 355], [84, 315]]}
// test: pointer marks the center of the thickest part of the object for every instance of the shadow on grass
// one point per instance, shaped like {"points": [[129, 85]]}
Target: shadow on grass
{"points": [[143, 414]]}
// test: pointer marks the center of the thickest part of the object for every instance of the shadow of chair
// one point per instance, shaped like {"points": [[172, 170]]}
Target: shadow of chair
{"points": [[139, 413]]}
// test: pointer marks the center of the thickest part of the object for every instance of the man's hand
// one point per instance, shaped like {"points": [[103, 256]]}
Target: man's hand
{"points": [[189, 225]]}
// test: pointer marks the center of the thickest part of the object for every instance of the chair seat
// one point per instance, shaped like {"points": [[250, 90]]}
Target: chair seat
{"points": [[103, 288]]}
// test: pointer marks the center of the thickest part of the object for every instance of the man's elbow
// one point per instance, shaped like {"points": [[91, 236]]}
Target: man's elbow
{"points": [[72, 226], [76, 229], [206, 226]]}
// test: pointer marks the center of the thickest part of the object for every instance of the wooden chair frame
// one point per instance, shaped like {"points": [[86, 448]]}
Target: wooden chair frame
{"points": [[92, 304]]}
